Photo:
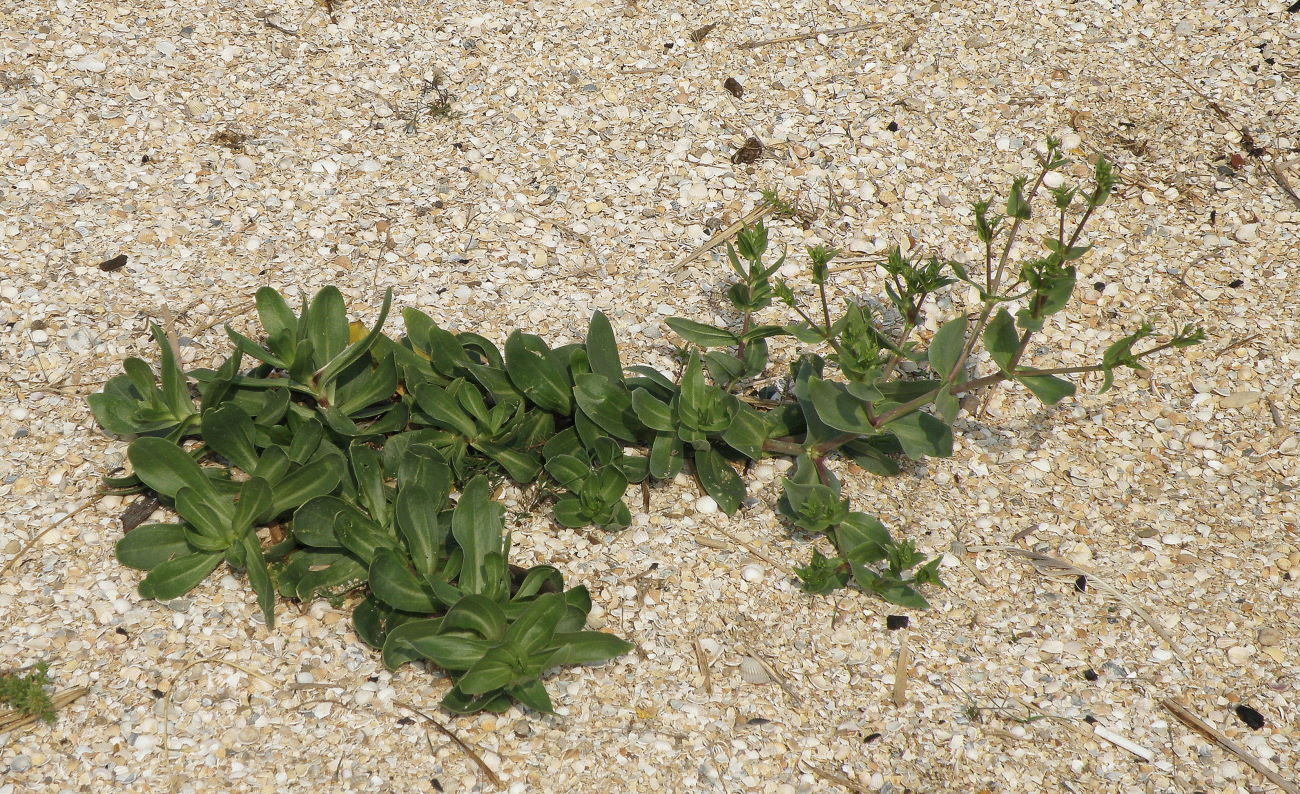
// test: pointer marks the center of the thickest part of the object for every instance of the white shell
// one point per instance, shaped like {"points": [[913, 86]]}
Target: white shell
{"points": [[752, 573], [752, 670]]}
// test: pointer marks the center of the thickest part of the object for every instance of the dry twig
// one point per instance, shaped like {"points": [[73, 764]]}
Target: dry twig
{"points": [[1191, 720], [901, 668], [1048, 565], [12, 720], [755, 43], [14, 560], [465, 748], [760, 211], [832, 777], [702, 659]]}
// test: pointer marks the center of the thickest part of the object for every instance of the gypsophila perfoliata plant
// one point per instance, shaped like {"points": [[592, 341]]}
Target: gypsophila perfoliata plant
{"points": [[348, 462], [26, 694]]}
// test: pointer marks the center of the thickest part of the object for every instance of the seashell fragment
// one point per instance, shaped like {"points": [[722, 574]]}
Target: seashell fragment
{"points": [[753, 671]]}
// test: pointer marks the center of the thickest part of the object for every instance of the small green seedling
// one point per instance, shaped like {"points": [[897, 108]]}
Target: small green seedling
{"points": [[26, 694]]}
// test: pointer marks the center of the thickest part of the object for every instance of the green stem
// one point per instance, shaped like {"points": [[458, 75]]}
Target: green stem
{"points": [[789, 448], [826, 309], [793, 448], [825, 332], [744, 329]]}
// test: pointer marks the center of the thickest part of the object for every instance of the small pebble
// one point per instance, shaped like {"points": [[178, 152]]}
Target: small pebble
{"points": [[1247, 233], [1268, 637], [706, 505], [1053, 179], [752, 573], [1239, 655], [21, 763]]}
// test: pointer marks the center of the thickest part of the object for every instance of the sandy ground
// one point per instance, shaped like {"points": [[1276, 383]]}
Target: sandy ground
{"points": [[523, 164]]}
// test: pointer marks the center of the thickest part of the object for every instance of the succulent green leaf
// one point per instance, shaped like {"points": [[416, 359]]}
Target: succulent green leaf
{"points": [[319, 477], [417, 513], [500, 667], [533, 695], [444, 410], [276, 316], [653, 412], [359, 534], [327, 324], [1048, 388], [422, 639], [533, 629], [922, 435], [822, 574], [259, 577], [719, 480], [862, 539], [666, 456], [747, 432], [609, 405], [176, 577], [477, 614], [313, 522], [394, 584], [701, 334], [341, 358], [368, 388], [724, 368], [946, 348], [476, 525], [166, 468], [175, 388], [255, 504], [602, 350], [208, 521], [568, 470], [536, 375], [1001, 339], [839, 408], [586, 647], [149, 545]]}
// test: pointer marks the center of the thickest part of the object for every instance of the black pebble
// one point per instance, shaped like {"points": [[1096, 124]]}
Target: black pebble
{"points": [[1090, 674], [871, 737], [896, 622], [1236, 282], [893, 126], [1081, 584], [1099, 286], [1253, 719]]}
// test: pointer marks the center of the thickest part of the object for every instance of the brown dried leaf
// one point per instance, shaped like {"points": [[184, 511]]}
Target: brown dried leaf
{"points": [[699, 34], [751, 151], [116, 263]]}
